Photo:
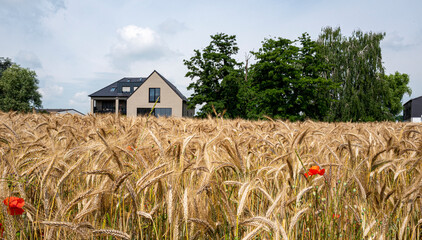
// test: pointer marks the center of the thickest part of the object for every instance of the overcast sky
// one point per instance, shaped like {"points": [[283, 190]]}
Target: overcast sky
{"points": [[78, 47]]}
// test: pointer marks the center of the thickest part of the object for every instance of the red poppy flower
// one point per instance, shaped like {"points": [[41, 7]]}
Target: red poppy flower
{"points": [[1, 230], [336, 215], [315, 170], [14, 205], [129, 148]]}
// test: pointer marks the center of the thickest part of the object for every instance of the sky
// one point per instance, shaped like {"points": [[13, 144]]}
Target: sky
{"points": [[78, 47]]}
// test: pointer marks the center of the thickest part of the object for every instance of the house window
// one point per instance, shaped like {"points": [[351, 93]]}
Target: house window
{"points": [[158, 112], [125, 89], [163, 112], [143, 111], [154, 94]]}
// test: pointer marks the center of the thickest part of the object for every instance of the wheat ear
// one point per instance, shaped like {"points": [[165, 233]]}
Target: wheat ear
{"points": [[252, 233], [296, 218], [112, 232]]}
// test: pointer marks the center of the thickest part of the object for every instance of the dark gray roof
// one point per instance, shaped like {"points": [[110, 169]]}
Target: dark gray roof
{"points": [[130, 82], [58, 110], [417, 98], [115, 89]]}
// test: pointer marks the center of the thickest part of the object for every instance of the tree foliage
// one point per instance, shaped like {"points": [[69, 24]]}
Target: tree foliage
{"points": [[335, 78], [18, 88], [365, 94], [217, 77], [286, 81], [5, 63], [397, 87]]}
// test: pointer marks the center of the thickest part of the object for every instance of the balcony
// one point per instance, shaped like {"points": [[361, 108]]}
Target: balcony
{"points": [[109, 106]]}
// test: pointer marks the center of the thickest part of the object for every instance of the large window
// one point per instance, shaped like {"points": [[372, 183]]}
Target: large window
{"points": [[143, 111], [158, 112], [163, 112], [154, 94]]}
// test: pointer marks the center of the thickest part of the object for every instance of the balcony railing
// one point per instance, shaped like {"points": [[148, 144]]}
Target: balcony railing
{"points": [[104, 110], [109, 110]]}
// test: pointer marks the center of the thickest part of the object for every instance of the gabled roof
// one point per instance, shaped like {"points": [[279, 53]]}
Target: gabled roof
{"points": [[113, 89], [171, 86], [133, 82], [417, 98]]}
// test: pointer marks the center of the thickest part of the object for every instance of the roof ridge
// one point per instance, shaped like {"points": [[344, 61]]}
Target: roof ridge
{"points": [[105, 92], [172, 86]]}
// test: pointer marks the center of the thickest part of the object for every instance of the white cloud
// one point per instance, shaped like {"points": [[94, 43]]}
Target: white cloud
{"points": [[29, 10], [28, 59], [81, 96], [397, 42], [137, 44], [172, 26], [50, 92], [80, 101]]}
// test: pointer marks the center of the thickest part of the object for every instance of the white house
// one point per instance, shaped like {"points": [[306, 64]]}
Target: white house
{"points": [[137, 96]]}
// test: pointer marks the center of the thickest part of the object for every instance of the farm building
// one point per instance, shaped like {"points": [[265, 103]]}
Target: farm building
{"points": [[137, 96], [60, 111], [412, 110]]}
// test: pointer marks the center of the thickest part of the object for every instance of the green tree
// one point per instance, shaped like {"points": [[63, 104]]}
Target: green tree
{"points": [[217, 77], [365, 94], [18, 89], [286, 81], [5, 63], [397, 87]]}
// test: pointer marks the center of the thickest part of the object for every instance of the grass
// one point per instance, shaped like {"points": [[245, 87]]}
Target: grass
{"points": [[209, 179]]}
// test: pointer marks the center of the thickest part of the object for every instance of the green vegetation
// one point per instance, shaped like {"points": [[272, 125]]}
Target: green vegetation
{"points": [[18, 88], [217, 77], [334, 78], [365, 93], [286, 81]]}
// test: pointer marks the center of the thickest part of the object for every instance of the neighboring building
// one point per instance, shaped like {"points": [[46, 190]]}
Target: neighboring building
{"points": [[412, 110], [137, 96], [59, 111]]}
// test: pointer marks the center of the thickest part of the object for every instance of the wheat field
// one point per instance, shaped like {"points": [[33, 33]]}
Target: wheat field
{"points": [[108, 177]]}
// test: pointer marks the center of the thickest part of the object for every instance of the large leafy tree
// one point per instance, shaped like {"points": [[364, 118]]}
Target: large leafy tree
{"points": [[18, 88], [216, 77], [5, 63], [286, 80], [397, 87], [365, 93]]}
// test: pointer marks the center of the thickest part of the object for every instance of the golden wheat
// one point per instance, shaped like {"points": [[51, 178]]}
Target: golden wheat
{"points": [[172, 178]]}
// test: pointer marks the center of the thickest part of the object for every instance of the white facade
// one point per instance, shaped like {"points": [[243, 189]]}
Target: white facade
{"points": [[133, 96], [168, 97], [416, 119]]}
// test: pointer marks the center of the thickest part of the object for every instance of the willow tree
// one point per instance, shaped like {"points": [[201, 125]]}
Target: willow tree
{"points": [[356, 66]]}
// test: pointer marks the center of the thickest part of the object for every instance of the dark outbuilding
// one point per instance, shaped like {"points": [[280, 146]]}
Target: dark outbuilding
{"points": [[412, 110]]}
